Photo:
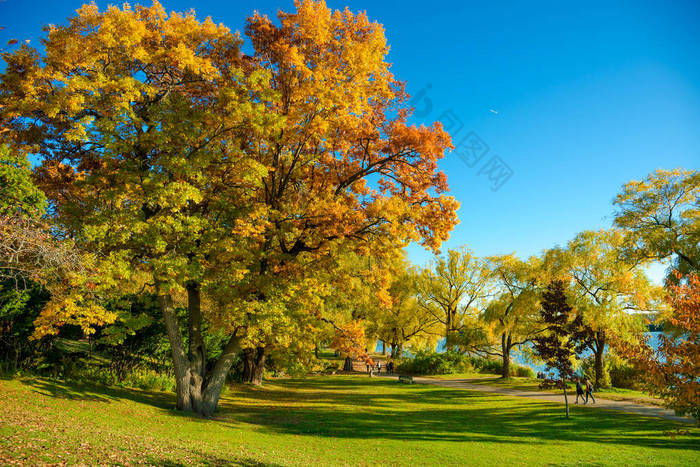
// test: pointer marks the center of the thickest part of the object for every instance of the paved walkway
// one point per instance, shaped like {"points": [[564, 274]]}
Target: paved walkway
{"points": [[620, 406]]}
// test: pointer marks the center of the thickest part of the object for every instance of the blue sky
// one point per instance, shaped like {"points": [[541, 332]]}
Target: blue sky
{"points": [[588, 95]]}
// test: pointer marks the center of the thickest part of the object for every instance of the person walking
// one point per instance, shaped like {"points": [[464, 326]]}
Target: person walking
{"points": [[589, 391], [379, 367], [579, 390]]}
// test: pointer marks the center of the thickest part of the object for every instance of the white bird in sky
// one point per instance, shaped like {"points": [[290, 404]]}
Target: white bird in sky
{"points": [[493, 111]]}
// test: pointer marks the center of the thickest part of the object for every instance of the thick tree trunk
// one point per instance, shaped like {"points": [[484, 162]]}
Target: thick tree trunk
{"points": [[383, 348], [195, 390], [253, 365], [181, 363], [215, 380], [599, 363], [197, 353], [259, 369], [505, 353], [347, 366]]}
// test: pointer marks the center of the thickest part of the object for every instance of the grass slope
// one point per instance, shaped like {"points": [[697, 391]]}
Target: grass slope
{"points": [[348, 420]]}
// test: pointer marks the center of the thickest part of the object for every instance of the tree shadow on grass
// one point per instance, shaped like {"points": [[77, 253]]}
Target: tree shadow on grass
{"points": [[363, 409], [96, 393], [460, 416], [205, 459]]}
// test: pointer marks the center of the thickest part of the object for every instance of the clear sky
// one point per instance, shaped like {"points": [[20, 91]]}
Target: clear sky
{"points": [[575, 98]]}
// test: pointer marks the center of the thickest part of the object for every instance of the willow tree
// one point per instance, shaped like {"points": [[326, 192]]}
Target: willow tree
{"points": [[402, 321], [511, 317], [607, 290], [453, 289], [195, 170], [661, 216]]}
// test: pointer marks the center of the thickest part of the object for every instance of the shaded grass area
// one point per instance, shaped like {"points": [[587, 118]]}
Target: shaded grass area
{"points": [[350, 420], [531, 384]]}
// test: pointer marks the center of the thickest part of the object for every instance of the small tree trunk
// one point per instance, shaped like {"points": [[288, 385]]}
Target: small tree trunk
{"points": [[566, 398], [253, 365], [259, 368], [448, 326], [347, 366], [505, 352], [383, 348]]}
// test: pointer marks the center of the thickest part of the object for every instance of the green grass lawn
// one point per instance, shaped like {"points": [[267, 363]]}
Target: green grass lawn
{"points": [[531, 384], [348, 420]]}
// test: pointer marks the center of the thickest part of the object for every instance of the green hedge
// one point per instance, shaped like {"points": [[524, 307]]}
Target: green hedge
{"points": [[450, 362]]}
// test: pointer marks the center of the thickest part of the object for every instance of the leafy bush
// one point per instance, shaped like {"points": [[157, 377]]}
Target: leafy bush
{"points": [[588, 368], [150, 380], [450, 362], [522, 371], [617, 372], [623, 374], [19, 307], [486, 365], [433, 363]]}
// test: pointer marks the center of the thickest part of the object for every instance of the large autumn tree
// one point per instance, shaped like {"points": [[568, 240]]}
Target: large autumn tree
{"points": [[200, 172], [138, 118], [344, 170]]}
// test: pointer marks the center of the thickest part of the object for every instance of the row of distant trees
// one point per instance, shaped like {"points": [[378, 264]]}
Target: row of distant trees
{"points": [[490, 306], [493, 305]]}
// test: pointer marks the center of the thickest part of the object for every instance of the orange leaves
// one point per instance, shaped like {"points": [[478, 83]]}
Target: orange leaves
{"points": [[344, 168], [685, 300], [349, 339], [673, 371]]}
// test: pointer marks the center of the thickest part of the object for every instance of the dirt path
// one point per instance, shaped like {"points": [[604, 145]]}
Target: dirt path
{"points": [[620, 406]]}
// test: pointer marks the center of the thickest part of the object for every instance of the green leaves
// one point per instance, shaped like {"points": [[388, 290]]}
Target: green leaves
{"points": [[661, 216], [18, 194]]}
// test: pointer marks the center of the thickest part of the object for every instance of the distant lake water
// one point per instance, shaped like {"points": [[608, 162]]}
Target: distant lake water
{"points": [[520, 359]]}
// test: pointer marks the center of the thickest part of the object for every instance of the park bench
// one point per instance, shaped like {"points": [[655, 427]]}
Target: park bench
{"points": [[406, 379]]}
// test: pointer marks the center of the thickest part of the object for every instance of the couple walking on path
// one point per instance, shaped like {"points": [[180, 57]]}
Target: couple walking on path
{"points": [[579, 391]]}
